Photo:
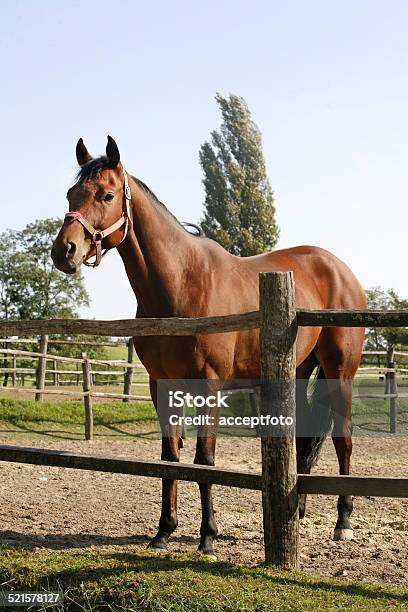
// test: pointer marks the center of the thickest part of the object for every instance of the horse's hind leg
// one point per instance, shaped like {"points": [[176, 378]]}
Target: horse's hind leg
{"points": [[168, 518], [339, 352], [341, 400], [303, 373]]}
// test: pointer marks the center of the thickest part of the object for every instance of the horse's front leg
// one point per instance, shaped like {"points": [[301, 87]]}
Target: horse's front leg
{"points": [[205, 455], [168, 518]]}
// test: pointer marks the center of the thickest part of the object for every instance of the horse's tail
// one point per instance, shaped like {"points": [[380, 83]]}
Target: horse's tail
{"points": [[318, 422]]}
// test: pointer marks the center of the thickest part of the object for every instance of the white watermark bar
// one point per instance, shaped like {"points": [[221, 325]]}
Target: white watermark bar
{"points": [[233, 407]]}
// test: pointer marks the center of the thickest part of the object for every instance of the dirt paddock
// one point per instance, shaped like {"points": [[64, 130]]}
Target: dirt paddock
{"points": [[44, 507]]}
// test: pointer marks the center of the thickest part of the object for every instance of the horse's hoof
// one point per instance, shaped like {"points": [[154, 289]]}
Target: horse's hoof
{"points": [[208, 554], [343, 534], [158, 544], [210, 557], [206, 548]]}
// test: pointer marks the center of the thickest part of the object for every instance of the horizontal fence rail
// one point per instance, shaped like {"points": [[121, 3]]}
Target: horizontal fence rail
{"points": [[130, 397], [353, 485], [175, 326], [51, 357], [152, 469], [311, 484], [352, 318], [120, 344]]}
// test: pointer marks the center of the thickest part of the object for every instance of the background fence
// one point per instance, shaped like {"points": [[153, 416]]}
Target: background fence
{"points": [[380, 393], [86, 373]]}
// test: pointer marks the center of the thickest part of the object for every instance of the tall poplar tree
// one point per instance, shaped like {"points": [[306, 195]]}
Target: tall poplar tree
{"points": [[239, 207]]}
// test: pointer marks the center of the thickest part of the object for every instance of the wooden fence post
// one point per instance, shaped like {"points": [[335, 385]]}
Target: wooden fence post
{"points": [[390, 359], [393, 402], [391, 389], [87, 387], [129, 371], [55, 373], [42, 364], [280, 498], [5, 365], [14, 375]]}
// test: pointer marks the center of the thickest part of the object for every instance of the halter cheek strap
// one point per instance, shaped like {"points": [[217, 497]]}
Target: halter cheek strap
{"points": [[98, 235]]}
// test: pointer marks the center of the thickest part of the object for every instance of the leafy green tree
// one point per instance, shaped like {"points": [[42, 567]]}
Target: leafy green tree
{"points": [[8, 265], [30, 286], [381, 338], [239, 206]]}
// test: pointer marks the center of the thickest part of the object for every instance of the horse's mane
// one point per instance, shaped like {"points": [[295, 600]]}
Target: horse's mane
{"points": [[92, 168]]}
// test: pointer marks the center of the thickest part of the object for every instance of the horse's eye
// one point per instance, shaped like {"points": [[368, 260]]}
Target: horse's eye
{"points": [[109, 197]]}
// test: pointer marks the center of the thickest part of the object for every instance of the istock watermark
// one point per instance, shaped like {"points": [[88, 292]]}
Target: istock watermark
{"points": [[232, 421], [305, 408], [178, 399], [207, 407]]}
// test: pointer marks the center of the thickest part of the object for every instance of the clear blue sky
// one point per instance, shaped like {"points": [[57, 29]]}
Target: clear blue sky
{"points": [[327, 83]]}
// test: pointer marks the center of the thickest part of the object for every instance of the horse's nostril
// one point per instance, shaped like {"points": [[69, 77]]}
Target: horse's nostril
{"points": [[71, 248]]}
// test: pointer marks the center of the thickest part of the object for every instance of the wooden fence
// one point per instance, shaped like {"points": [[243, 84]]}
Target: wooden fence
{"points": [[40, 372], [280, 484], [86, 373], [88, 377]]}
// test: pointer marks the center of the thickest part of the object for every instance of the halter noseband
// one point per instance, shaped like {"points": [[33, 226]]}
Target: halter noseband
{"points": [[98, 235]]}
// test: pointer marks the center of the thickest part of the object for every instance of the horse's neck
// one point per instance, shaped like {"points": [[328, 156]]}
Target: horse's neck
{"points": [[156, 254]]}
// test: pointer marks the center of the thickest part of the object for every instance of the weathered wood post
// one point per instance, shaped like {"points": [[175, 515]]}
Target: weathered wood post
{"points": [[391, 389], [278, 400], [389, 359], [393, 402], [14, 375], [87, 387], [55, 373], [42, 364], [129, 371], [255, 405]]}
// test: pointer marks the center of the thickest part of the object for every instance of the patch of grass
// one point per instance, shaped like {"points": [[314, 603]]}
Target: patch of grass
{"points": [[372, 416], [65, 419], [108, 579], [62, 418], [116, 352]]}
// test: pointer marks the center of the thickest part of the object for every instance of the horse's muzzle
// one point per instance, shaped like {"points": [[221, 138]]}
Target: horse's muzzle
{"points": [[66, 256]]}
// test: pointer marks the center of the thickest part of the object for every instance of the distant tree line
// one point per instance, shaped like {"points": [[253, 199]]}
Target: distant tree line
{"points": [[381, 338]]}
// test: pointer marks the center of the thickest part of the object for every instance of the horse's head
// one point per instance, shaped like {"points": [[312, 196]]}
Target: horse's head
{"points": [[99, 215]]}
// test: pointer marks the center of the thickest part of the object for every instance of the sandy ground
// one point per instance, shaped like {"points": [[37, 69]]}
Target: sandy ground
{"points": [[44, 507]]}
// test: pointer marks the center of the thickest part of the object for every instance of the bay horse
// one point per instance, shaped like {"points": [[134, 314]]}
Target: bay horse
{"points": [[176, 274]]}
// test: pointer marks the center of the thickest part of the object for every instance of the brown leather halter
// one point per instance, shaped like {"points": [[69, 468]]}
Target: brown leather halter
{"points": [[98, 235]]}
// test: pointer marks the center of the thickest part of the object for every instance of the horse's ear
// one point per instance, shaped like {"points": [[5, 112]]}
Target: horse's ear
{"points": [[112, 152], [82, 154]]}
